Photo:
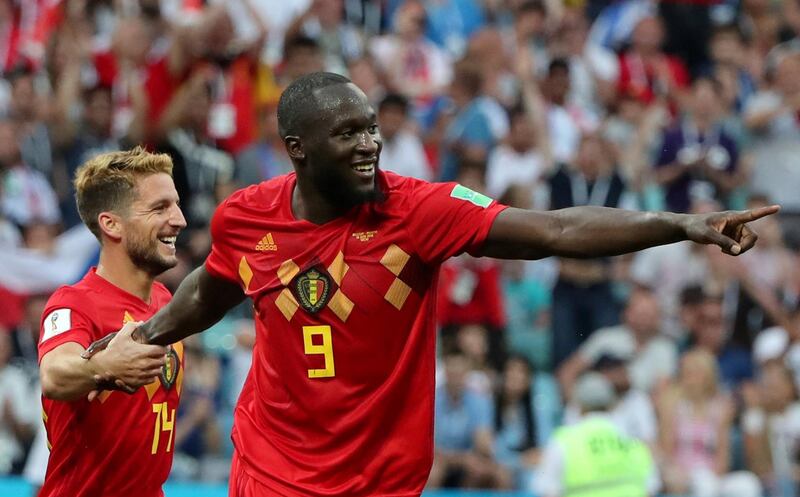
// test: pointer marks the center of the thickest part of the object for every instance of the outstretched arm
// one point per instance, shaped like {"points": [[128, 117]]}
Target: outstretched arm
{"points": [[584, 232], [200, 301]]}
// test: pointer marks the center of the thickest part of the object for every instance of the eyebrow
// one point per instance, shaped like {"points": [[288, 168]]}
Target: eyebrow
{"points": [[372, 117]]}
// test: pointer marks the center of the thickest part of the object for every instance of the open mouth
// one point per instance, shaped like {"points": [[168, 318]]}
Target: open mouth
{"points": [[169, 241], [365, 169]]}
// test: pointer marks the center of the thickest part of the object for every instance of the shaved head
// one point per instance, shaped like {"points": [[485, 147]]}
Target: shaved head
{"points": [[298, 103]]}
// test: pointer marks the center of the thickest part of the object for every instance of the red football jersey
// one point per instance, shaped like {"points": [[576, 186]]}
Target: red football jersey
{"points": [[339, 399], [119, 445]]}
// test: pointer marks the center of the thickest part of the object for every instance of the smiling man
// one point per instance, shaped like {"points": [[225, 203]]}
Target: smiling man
{"points": [[341, 261], [129, 202]]}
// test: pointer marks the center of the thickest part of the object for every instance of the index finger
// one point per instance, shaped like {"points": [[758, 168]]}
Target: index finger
{"points": [[753, 214]]}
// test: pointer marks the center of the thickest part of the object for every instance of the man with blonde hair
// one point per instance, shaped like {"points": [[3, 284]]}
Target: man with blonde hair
{"points": [[128, 200]]}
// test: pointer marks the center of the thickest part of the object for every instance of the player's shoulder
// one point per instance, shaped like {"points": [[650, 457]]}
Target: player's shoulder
{"points": [[77, 296], [264, 195], [400, 189], [69, 304]]}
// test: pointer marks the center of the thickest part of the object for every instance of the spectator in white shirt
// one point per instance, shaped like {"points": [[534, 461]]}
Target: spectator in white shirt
{"points": [[771, 425], [25, 193], [517, 161], [402, 149], [654, 356]]}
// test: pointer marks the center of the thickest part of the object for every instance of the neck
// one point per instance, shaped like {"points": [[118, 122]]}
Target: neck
{"points": [[311, 205], [122, 273]]}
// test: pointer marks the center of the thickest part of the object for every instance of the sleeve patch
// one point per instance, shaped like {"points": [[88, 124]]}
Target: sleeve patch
{"points": [[56, 322], [463, 193]]}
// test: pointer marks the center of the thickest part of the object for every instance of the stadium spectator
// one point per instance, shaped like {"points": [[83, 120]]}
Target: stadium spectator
{"points": [[729, 58], [402, 152], [646, 71], [771, 425], [26, 195], [411, 63], [468, 135], [771, 117], [203, 172], [633, 413], [524, 418], [653, 357], [27, 111], [267, 157], [324, 22], [518, 161], [698, 159], [695, 424], [19, 410], [593, 69], [25, 337], [527, 310], [734, 363], [564, 131], [463, 432], [595, 453], [452, 22], [197, 435], [583, 300]]}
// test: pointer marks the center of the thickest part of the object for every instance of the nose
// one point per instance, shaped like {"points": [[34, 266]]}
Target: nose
{"points": [[368, 144], [176, 218]]}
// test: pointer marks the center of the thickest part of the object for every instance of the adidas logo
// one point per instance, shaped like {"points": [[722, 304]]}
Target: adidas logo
{"points": [[266, 243]]}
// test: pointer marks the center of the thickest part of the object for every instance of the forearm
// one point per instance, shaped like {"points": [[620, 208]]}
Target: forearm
{"points": [[579, 232], [65, 375], [197, 305], [602, 231]]}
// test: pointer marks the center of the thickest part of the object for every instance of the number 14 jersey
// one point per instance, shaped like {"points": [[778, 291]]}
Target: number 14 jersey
{"points": [[339, 398], [118, 445]]}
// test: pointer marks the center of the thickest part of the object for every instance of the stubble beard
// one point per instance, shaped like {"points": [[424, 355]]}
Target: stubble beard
{"points": [[145, 256]]}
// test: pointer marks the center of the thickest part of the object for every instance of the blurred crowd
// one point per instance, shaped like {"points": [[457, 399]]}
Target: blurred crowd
{"points": [[682, 105]]}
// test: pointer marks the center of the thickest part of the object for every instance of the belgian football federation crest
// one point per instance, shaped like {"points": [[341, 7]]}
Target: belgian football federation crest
{"points": [[313, 289], [170, 370]]}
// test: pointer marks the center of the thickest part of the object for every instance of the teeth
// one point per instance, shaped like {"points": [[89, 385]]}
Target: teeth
{"points": [[365, 168], [169, 239]]}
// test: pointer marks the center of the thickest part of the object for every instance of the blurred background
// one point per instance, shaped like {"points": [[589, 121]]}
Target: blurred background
{"points": [[683, 105]]}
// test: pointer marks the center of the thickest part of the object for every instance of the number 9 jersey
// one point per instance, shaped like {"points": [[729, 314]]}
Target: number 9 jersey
{"points": [[118, 445], [339, 398]]}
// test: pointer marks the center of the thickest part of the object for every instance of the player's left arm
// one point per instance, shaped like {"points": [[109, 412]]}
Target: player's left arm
{"points": [[584, 232]]}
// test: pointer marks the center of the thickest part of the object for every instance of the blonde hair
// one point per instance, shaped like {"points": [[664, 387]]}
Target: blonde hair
{"points": [[705, 361], [107, 182]]}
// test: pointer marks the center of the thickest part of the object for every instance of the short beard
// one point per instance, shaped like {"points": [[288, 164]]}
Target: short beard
{"points": [[337, 192], [146, 258]]}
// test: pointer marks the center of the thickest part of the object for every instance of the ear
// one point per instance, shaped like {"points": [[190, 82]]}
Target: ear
{"points": [[294, 147], [110, 225]]}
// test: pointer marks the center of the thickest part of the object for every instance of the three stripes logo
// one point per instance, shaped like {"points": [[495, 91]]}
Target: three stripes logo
{"points": [[267, 244]]}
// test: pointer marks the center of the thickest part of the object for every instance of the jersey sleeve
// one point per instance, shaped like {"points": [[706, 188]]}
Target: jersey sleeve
{"points": [[219, 262], [63, 322], [447, 219]]}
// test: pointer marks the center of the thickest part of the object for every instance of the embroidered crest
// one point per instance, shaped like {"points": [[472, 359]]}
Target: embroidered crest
{"points": [[170, 370], [312, 289]]}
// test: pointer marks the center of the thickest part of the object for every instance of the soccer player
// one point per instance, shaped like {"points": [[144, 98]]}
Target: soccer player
{"points": [[341, 260], [128, 200]]}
